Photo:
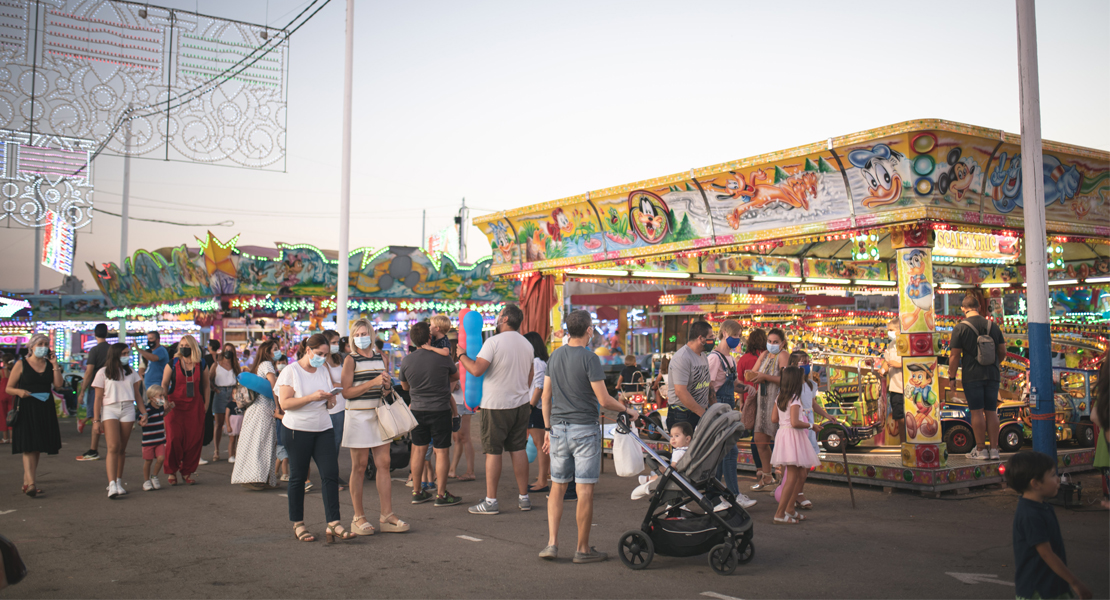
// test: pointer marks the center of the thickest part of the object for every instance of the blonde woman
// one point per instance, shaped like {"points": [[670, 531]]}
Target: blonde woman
{"points": [[365, 376], [36, 431], [186, 401]]}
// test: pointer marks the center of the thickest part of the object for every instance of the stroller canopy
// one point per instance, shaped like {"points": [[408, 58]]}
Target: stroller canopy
{"points": [[718, 430]]}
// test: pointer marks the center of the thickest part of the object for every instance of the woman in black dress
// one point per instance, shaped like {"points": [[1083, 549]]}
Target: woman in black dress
{"points": [[36, 431]]}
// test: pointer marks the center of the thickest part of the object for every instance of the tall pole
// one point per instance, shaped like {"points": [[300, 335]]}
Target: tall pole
{"points": [[1036, 271], [345, 184], [423, 229], [464, 224], [37, 258], [123, 214]]}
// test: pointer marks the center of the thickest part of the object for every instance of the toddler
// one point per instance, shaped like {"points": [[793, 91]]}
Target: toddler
{"points": [[154, 437], [1040, 562], [440, 326], [233, 420], [681, 434]]}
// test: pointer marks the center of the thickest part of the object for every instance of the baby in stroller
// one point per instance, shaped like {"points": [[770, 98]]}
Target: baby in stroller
{"points": [[680, 436], [681, 519]]}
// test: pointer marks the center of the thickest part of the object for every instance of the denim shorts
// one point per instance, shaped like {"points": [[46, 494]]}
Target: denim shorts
{"points": [[981, 394], [575, 453]]}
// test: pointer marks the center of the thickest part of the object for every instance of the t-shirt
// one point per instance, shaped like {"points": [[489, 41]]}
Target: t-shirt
{"points": [[964, 337], [116, 391], [894, 376], [232, 409], [314, 415], [154, 432], [743, 364], [539, 371], [98, 357], [442, 342], [719, 364], [690, 369], [629, 381], [336, 374], [506, 383], [1035, 523], [428, 375], [572, 369], [155, 368]]}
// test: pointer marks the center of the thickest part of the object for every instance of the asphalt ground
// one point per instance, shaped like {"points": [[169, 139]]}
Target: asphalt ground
{"points": [[215, 540]]}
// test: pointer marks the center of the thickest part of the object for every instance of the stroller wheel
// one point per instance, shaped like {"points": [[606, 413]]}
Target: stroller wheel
{"points": [[744, 556], [636, 549], [723, 559]]}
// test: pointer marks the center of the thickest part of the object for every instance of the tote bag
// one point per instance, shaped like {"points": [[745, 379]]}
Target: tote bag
{"points": [[395, 420]]}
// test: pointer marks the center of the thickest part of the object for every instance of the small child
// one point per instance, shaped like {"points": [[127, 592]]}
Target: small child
{"points": [[154, 437], [800, 359], [681, 434], [233, 420], [792, 447], [440, 326], [1040, 562]]}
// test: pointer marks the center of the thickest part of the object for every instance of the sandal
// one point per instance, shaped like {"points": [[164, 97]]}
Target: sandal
{"points": [[787, 520], [763, 484], [172, 479], [31, 490], [304, 535], [365, 529], [466, 478], [804, 504], [189, 479], [335, 532], [797, 516], [387, 527]]}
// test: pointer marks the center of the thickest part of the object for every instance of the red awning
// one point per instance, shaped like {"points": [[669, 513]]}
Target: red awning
{"points": [[623, 298]]}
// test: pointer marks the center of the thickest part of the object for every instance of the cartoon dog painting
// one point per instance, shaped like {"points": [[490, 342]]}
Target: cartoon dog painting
{"points": [[918, 290], [879, 166]]}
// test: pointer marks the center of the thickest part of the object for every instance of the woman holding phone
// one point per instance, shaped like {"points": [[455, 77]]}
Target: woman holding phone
{"points": [[306, 393]]}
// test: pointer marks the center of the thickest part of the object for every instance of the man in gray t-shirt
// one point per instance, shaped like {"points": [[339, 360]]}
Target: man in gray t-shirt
{"points": [[427, 376], [573, 370], [688, 383]]}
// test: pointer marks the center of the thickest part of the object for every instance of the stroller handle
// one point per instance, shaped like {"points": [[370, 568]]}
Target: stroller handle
{"points": [[624, 422]]}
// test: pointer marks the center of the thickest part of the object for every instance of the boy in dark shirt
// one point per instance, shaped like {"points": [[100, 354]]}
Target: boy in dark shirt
{"points": [[1040, 561]]}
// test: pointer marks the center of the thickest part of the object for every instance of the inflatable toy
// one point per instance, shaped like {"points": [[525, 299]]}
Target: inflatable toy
{"points": [[472, 332]]}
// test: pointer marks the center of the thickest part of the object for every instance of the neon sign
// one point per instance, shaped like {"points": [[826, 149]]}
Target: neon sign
{"points": [[965, 244], [57, 247]]}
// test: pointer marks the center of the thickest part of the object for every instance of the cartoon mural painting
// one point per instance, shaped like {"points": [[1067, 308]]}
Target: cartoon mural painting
{"points": [[879, 166], [958, 178], [795, 191], [503, 243], [1061, 183], [650, 216], [922, 424], [915, 276]]}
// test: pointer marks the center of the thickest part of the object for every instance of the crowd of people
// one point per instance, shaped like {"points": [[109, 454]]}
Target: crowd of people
{"points": [[281, 415]]}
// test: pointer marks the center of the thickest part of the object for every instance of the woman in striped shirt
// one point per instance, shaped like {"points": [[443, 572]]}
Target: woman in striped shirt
{"points": [[365, 376]]}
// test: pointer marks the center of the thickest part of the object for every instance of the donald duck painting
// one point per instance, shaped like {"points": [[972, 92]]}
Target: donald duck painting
{"points": [[918, 289]]}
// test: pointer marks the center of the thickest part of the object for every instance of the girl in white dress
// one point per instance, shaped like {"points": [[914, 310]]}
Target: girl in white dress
{"points": [[800, 359]]}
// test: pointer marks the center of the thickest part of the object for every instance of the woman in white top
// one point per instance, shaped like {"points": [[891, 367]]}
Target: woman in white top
{"points": [[365, 376], [304, 393], [535, 419], [222, 381], [335, 370], [117, 387], [255, 455]]}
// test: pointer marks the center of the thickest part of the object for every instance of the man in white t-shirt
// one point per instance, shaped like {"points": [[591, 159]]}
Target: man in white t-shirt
{"points": [[506, 362]]}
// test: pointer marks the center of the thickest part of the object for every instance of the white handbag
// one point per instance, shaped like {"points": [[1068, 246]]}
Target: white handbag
{"points": [[395, 420]]}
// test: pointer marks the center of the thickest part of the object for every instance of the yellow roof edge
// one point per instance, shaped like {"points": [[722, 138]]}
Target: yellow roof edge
{"points": [[778, 155]]}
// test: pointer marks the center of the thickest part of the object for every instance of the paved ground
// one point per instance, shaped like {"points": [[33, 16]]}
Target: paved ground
{"points": [[216, 540]]}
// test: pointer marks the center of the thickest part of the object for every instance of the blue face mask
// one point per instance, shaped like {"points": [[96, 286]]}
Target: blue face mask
{"points": [[317, 361], [805, 370], [362, 342], [278, 355], [40, 351], [732, 342]]}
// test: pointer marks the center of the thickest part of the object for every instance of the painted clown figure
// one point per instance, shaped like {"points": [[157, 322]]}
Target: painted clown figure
{"points": [[920, 395]]}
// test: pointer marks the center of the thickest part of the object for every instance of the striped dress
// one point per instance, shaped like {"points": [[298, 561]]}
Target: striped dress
{"points": [[360, 429]]}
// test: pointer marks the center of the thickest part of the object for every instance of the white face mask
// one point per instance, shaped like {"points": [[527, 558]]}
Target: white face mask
{"points": [[363, 342], [773, 348], [335, 348], [892, 335]]}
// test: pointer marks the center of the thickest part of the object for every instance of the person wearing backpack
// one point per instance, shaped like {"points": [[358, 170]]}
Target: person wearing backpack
{"points": [[977, 347]]}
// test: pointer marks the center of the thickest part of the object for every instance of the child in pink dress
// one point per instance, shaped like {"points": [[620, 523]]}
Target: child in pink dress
{"points": [[793, 450]]}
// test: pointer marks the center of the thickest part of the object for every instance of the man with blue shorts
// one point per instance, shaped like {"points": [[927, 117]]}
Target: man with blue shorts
{"points": [[573, 393], [980, 381]]}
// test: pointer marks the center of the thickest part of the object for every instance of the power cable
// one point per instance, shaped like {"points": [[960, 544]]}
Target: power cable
{"points": [[130, 218]]}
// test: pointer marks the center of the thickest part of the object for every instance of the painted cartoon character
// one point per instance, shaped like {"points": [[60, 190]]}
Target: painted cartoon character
{"points": [[648, 215], [793, 193], [919, 392], [560, 225], [879, 166], [1061, 183], [503, 240], [918, 289], [958, 178], [291, 276], [736, 189]]}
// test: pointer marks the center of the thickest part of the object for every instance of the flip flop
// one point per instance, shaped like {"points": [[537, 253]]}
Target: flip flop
{"points": [[539, 490], [466, 478]]}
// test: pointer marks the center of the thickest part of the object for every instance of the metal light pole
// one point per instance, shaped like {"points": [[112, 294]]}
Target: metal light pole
{"points": [[123, 221], [464, 224], [345, 184], [1036, 271]]}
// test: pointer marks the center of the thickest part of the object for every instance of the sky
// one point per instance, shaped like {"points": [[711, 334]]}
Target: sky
{"points": [[514, 103]]}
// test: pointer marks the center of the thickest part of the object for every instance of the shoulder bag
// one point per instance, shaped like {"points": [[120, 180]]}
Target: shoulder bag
{"points": [[394, 418], [13, 414]]}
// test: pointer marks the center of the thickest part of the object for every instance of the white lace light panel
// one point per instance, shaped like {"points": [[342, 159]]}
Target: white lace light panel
{"points": [[48, 172], [71, 68]]}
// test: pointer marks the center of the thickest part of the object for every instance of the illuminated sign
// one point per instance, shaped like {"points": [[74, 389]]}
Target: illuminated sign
{"points": [[57, 247], [10, 306], [963, 244]]}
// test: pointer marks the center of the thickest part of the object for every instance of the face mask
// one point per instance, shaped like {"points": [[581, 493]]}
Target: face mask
{"points": [[186, 352], [773, 348], [892, 335], [732, 342], [316, 361], [278, 354], [125, 360], [362, 342], [335, 348], [229, 354], [805, 370], [151, 345], [40, 351], [707, 345]]}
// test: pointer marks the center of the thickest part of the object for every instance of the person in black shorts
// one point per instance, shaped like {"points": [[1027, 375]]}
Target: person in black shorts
{"points": [[980, 382], [428, 376]]}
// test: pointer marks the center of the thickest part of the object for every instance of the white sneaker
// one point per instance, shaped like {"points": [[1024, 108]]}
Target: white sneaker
{"points": [[113, 491], [643, 479], [744, 501], [642, 491], [202, 462], [147, 486], [119, 486], [155, 483], [977, 454], [722, 505], [995, 454], [231, 459]]}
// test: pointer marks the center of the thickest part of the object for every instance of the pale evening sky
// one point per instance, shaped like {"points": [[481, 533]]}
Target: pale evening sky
{"points": [[514, 103]]}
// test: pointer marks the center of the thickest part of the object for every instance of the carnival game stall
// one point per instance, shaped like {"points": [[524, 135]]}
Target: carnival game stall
{"points": [[894, 220]]}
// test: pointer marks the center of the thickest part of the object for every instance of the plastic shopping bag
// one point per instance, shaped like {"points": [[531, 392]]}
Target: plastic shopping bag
{"points": [[628, 456]]}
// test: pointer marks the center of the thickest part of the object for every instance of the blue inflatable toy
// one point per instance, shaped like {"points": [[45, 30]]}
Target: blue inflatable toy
{"points": [[472, 329], [531, 450], [254, 383]]}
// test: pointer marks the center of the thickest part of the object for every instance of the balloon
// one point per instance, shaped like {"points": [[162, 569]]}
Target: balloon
{"points": [[531, 450], [472, 331]]}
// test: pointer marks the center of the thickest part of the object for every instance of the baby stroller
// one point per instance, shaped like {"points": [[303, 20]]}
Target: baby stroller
{"points": [[681, 520]]}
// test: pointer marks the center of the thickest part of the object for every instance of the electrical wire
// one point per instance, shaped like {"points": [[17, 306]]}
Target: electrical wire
{"points": [[130, 218], [220, 79]]}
